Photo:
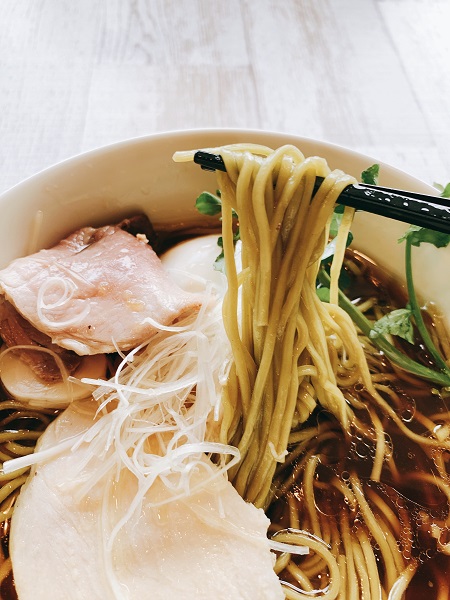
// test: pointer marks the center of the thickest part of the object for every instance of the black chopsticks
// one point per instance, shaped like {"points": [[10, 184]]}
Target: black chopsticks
{"points": [[413, 208]]}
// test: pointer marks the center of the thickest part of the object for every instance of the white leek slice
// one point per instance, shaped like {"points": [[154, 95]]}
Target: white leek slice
{"points": [[22, 384]]}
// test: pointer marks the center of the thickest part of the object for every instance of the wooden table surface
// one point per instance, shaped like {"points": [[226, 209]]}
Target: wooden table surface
{"points": [[371, 75]]}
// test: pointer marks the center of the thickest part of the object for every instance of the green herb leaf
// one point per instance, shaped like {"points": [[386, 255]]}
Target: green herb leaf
{"points": [[398, 322], [445, 191], [330, 248], [336, 220], [370, 175], [219, 263], [208, 204], [440, 378], [420, 235], [345, 280], [323, 293], [329, 251]]}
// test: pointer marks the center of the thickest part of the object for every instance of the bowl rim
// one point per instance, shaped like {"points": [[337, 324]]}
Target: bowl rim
{"points": [[168, 134], [114, 163]]}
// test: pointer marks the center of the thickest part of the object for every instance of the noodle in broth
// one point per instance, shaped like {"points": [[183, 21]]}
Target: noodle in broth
{"points": [[20, 428]]}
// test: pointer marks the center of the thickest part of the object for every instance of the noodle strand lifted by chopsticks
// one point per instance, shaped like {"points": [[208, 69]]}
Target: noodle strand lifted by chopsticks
{"points": [[294, 354], [283, 229]]}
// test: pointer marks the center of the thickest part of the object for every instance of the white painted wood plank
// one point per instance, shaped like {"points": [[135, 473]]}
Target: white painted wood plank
{"points": [[142, 100], [370, 75], [46, 51], [42, 118], [173, 33], [333, 74], [419, 30]]}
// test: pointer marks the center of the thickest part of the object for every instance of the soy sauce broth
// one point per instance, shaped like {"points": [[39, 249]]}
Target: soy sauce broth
{"points": [[417, 503]]}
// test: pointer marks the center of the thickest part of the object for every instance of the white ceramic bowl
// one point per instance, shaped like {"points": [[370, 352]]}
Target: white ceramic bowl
{"points": [[138, 175]]}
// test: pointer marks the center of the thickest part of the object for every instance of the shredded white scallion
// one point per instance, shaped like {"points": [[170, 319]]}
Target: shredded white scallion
{"points": [[152, 415], [63, 289]]}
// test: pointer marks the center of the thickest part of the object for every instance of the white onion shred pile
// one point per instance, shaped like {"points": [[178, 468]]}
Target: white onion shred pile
{"points": [[153, 415]]}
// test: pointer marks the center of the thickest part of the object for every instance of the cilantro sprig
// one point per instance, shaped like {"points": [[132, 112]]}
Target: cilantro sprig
{"points": [[211, 205], [415, 236], [392, 353], [370, 175], [399, 322], [444, 190]]}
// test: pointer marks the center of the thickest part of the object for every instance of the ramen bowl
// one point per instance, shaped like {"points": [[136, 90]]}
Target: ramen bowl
{"points": [[139, 176]]}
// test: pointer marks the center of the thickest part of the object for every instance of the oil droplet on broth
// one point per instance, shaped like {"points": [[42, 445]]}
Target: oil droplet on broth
{"points": [[408, 414], [362, 449]]}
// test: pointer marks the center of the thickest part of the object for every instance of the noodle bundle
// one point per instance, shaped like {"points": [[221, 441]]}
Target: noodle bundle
{"points": [[282, 365], [317, 423]]}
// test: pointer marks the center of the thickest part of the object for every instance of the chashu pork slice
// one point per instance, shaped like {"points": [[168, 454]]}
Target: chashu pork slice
{"points": [[211, 544], [96, 291]]}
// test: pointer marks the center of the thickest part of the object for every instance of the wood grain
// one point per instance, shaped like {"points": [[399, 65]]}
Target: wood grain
{"points": [[368, 74]]}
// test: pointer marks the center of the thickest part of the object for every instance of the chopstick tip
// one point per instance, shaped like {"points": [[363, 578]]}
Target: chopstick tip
{"points": [[209, 162]]}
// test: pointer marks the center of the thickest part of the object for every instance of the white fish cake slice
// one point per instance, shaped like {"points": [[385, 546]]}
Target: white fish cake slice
{"points": [[210, 545]]}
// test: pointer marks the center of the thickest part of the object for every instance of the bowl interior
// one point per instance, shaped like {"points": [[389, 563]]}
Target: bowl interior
{"points": [[139, 175]]}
